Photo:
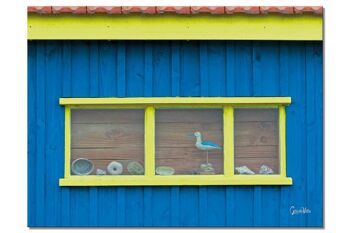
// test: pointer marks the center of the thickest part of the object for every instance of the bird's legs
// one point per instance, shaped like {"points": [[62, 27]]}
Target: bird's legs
{"points": [[207, 156]]}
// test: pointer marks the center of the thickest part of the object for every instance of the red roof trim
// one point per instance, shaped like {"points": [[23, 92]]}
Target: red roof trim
{"points": [[175, 9]]}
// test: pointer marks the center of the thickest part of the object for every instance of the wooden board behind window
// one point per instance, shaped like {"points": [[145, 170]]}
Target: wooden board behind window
{"points": [[175, 146], [105, 135], [256, 139]]}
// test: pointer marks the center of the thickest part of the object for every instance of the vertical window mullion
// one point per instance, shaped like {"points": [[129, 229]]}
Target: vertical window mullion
{"points": [[228, 141], [67, 140], [282, 139], [150, 141]]}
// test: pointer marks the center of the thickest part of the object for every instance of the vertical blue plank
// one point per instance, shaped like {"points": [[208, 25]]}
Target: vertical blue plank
{"points": [[230, 91], [175, 91], [134, 87], [189, 86], [216, 78], [189, 206], [41, 134], [243, 198], [161, 69], [314, 118], [120, 221], [190, 83], [148, 206], [94, 90], [66, 92], [108, 69], [203, 68], [257, 206], [80, 196], [54, 132], [94, 68], [243, 67], [161, 80], [121, 68], [107, 198], [284, 91], [134, 206], [296, 131], [204, 91], [217, 68], [161, 206], [266, 83], [175, 68], [230, 68], [31, 134], [318, 201], [106, 212], [134, 68]]}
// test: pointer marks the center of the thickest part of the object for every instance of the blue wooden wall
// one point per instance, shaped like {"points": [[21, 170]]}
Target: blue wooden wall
{"points": [[178, 68]]}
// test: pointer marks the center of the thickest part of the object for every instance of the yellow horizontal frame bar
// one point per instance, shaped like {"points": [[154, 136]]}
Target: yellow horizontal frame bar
{"points": [[175, 180], [175, 27], [177, 100]]}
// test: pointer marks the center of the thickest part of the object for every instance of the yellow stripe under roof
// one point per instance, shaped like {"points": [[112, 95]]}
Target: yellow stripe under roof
{"points": [[175, 27]]}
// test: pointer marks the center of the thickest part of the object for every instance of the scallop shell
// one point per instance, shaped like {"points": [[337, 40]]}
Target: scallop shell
{"points": [[82, 167], [135, 168], [115, 168]]}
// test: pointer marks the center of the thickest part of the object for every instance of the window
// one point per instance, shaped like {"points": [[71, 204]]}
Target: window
{"points": [[175, 141], [107, 141], [256, 141], [176, 144]]}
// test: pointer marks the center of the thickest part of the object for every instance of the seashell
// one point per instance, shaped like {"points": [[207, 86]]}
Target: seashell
{"points": [[265, 170], [165, 171], [244, 170], [135, 168], [100, 172], [115, 168], [82, 167]]}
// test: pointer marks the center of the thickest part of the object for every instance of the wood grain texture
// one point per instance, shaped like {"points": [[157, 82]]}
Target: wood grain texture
{"points": [[256, 138], [104, 135], [254, 114], [175, 146], [114, 153], [107, 116], [107, 135], [256, 151], [188, 116]]}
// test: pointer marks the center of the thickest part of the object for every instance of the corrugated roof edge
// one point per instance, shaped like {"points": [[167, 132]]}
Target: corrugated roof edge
{"points": [[216, 10]]}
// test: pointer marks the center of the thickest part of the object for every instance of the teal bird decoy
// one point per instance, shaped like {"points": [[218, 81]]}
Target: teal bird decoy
{"points": [[205, 145]]}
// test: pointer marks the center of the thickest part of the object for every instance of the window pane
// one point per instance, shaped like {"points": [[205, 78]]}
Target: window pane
{"points": [[176, 148], [256, 141], [107, 141]]}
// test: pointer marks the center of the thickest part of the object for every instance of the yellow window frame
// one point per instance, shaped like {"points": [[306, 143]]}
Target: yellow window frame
{"points": [[228, 104]]}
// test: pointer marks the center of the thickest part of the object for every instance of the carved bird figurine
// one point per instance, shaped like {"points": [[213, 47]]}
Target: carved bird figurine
{"points": [[205, 145]]}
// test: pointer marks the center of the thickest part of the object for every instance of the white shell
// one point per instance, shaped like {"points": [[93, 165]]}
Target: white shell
{"points": [[100, 172], [115, 168], [265, 170], [244, 170]]}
